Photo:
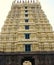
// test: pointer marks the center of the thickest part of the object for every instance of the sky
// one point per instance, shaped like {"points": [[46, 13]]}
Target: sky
{"points": [[47, 7]]}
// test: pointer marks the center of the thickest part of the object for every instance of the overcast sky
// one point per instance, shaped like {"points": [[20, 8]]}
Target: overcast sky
{"points": [[47, 6]]}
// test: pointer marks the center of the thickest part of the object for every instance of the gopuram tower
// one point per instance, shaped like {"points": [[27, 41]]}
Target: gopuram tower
{"points": [[26, 37]]}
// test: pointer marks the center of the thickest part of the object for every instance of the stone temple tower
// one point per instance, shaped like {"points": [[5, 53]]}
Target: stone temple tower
{"points": [[26, 37]]}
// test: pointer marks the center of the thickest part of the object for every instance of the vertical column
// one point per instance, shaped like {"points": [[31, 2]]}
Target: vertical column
{"points": [[35, 60]]}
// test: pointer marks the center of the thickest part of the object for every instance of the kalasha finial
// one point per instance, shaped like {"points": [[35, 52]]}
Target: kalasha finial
{"points": [[20, 1], [33, 1], [23, 1], [17, 1]]}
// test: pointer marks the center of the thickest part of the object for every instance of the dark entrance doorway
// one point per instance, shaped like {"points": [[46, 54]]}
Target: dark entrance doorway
{"points": [[27, 61]]}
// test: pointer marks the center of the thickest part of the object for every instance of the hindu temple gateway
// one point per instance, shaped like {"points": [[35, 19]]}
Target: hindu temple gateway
{"points": [[26, 37]]}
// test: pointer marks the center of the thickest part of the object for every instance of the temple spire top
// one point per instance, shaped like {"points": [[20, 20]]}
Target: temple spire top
{"points": [[27, 1]]}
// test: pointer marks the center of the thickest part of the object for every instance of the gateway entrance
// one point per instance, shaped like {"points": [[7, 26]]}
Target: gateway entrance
{"points": [[27, 61]]}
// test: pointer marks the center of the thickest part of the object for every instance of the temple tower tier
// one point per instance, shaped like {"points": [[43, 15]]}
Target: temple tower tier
{"points": [[27, 37]]}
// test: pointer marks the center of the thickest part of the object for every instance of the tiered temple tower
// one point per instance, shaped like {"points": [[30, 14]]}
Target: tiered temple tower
{"points": [[27, 37]]}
